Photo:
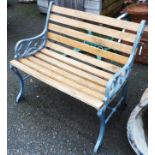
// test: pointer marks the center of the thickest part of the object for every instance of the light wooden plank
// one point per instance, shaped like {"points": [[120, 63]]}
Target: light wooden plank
{"points": [[77, 64], [71, 69], [68, 75], [96, 18], [60, 86], [90, 38], [83, 57], [87, 48], [126, 36], [61, 79]]}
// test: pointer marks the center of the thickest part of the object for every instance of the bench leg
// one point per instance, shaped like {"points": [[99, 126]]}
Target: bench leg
{"points": [[104, 121], [21, 83], [101, 130]]}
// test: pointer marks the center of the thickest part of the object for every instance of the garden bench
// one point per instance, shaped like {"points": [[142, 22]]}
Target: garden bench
{"points": [[52, 58]]}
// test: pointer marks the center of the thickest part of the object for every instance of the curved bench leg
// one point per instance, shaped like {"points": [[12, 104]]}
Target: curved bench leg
{"points": [[21, 83], [101, 131]]}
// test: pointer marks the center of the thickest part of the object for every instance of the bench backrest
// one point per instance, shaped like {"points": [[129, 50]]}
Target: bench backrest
{"points": [[92, 34]]}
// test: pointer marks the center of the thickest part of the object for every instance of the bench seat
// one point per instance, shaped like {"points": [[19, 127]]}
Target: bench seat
{"points": [[74, 77]]}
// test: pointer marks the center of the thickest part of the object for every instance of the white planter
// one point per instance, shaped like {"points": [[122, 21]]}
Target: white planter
{"points": [[137, 126]]}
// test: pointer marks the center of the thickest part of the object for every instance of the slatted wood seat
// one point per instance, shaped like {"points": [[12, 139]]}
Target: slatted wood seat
{"points": [[51, 57]]}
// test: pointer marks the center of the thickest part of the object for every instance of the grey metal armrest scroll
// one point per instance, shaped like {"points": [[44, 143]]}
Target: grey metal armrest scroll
{"points": [[30, 46]]}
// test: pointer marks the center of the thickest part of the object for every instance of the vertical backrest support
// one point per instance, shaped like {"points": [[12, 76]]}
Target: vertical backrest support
{"points": [[136, 42]]}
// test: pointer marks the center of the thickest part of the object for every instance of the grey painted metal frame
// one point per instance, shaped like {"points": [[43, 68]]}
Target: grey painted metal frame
{"points": [[113, 87], [30, 46], [27, 47], [21, 83]]}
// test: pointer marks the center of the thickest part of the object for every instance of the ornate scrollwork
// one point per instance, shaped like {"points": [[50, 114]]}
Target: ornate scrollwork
{"points": [[114, 85], [29, 46]]}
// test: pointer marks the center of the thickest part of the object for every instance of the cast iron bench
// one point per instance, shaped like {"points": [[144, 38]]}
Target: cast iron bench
{"points": [[52, 57]]}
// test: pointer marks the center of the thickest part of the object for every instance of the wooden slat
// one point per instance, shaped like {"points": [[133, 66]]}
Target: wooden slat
{"points": [[68, 75], [83, 57], [90, 38], [94, 28], [71, 69], [61, 79], [96, 18], [77, 64], [90, 49], [60, 86]]}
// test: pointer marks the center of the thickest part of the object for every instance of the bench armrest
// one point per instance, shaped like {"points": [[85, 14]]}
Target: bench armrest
{"points": [[27, 47], [119, 79]]}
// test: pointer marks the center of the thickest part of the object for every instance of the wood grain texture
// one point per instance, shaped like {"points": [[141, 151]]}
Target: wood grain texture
{"points": [[126, 36], [96, 18], [58, 85], [68, 75], [72, 69], [91, 38], [45, 71], [83, 57], [87, 48], [77, 64]]}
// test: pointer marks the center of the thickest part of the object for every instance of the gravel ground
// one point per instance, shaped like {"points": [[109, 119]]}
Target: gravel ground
{"points": [[49, 122]]}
